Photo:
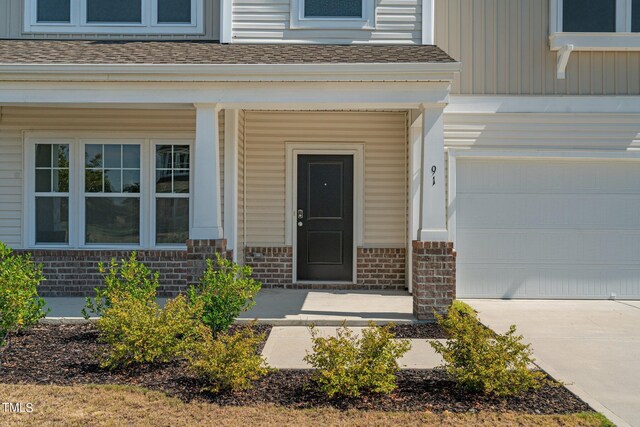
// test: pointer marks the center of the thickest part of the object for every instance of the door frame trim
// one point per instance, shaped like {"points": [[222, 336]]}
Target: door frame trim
{"points": [[293, 150]]}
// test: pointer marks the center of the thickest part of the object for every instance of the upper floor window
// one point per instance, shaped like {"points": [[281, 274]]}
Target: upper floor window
{"points": [[114, 16], [588, 16], [595, 16], [333, 14], [593, 25]]}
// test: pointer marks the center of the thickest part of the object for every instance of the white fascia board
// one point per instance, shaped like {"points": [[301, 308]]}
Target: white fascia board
{"points": [[232, 72], [578, 104], [268, 95], [596, 41]]}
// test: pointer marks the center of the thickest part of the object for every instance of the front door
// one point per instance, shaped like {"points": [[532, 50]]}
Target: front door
{"points": [[325, 218]]}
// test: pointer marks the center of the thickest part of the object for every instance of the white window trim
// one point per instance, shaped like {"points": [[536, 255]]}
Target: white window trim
{"points": [[155, 195], [76, 142], [620, 40], [366, 22], [149, 25], [293, 150]]}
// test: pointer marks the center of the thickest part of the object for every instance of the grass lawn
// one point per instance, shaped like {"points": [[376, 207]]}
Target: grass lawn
{"points": [[125, 405]]}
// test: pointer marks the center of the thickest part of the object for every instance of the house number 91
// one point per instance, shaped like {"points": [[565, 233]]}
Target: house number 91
{"points": [[433, 174]]}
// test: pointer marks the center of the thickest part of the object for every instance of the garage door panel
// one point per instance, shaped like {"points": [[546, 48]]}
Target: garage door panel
{"points": [[550, 246], [547, 281], [547, 211], [555, 176], [548, 228]]}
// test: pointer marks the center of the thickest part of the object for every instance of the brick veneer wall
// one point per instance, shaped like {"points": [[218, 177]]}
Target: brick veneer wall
{"points": [[382, 268], [273, 266], [434, 278], [73, 272], [378, 268]]}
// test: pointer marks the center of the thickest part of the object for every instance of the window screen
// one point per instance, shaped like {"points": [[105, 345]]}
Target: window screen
{"points": [[54, 11], [333, 8], [591, 16], [129, 11], [174, 11]]}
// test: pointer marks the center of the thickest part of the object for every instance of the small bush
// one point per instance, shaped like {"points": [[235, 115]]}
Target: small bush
{"points": [[130, 279], [225, 291], [481, 361], [346, 365], [139, 331], [20, 305], [228, 361]]}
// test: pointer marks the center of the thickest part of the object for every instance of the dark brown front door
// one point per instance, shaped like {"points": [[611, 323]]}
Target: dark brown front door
{"points": [[325, 218]]}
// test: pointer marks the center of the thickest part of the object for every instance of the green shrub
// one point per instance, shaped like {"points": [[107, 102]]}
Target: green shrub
{"points": [[130, 278], [347, 365], [139, 331], [228, 361], [20, 305], [225, 291], [481, 361]]}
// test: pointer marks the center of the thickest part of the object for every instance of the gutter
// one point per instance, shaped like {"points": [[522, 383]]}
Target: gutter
{"points": [[357, 72]]}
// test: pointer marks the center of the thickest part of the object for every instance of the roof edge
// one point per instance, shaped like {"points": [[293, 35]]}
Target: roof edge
{"points": [[414, 71]]}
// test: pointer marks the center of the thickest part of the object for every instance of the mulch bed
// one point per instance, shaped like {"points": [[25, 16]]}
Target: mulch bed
{"points": [[66, 355], [419, 331]]}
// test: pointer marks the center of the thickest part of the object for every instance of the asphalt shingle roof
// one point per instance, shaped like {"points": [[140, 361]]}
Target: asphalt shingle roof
{"points": [[193, 52]]}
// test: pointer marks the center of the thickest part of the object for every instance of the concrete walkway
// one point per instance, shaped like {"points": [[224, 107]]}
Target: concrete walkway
{"points": [[288, 345], [591, 346], [291, 307]]}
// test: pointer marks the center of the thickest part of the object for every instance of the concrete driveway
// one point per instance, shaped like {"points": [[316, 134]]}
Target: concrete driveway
{"points": [[592, 346]]}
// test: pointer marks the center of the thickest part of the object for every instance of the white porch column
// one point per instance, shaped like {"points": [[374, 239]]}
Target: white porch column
{"points": [[433, 220], [231, 180], [414, 186], [207, 217]]}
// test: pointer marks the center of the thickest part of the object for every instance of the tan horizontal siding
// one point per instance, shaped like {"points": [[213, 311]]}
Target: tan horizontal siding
{"points": [[503, 48], [385, 193], [12, 20], [11, 188], [550, 131], [397, 21]]}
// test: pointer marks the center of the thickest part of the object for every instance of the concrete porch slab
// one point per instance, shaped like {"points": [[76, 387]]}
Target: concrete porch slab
{"points": [[297, 307], [287, 346]]}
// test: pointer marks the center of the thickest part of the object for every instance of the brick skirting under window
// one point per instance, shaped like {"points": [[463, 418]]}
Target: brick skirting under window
{"points": [[75, 272]]}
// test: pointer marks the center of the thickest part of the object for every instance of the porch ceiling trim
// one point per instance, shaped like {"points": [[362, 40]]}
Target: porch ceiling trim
{"points": [[247, 95]]}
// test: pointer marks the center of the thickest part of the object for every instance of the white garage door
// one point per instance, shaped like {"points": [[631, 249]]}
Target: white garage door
{"points": [[548, 228]]}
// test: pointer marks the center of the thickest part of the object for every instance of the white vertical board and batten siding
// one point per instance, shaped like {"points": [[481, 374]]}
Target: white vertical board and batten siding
{"points": [[268, 21], [12, 19], [503, 46], [385, 191], [15, 121]]}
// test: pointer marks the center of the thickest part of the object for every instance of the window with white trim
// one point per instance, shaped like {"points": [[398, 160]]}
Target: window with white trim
{"points": [[333, 14], [51, 193], [172, 186], [88, 193], [593, 25], [114, 16]]}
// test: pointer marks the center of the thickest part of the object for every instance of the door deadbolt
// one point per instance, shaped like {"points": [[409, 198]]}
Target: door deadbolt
{"points": [[300, 214]]}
